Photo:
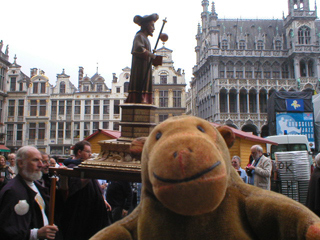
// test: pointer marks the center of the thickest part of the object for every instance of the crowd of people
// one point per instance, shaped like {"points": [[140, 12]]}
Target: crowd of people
{"points": [[85, 206], [82, 206], [258, 170]]}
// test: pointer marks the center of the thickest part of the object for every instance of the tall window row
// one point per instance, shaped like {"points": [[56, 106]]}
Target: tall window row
{"points": [[164, 98], [39, 87], [62, 107], [38, 107], [63, 130], [255, 70], [16, 105], [164, 79], [14, 129], [258, 45], [37, 130], [244, 102]]}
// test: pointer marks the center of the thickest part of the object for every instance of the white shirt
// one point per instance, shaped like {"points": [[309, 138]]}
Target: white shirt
{"points": [[42, 205]]}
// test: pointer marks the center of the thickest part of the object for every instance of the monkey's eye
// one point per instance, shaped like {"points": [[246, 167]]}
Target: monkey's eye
{"points": [[200, 129], [158, 135]]}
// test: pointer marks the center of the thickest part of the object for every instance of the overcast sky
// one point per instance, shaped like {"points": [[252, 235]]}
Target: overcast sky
{"points": [[65, 34]]}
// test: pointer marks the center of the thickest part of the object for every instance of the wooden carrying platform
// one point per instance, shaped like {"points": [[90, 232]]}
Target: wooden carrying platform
{"points": [[120, 175]]}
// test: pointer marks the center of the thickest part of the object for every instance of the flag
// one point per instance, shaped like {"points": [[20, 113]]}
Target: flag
{"points": [[295, 105]]}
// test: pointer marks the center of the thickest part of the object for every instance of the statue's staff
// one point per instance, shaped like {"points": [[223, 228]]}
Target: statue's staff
{"points": [[161, 36], [164, 38]]}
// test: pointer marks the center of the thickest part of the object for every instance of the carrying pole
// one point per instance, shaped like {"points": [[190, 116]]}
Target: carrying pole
{"points": [[52, 200]]}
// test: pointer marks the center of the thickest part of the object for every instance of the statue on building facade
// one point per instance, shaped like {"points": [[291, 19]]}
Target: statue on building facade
{"points": [[140, 86], [7, 50]]}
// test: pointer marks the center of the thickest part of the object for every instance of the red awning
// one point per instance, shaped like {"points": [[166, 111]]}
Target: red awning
{"points": [[246, 135], [3, 148]]}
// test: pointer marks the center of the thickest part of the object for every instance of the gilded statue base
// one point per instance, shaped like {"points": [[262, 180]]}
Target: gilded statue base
{"points": [[115, 155]]}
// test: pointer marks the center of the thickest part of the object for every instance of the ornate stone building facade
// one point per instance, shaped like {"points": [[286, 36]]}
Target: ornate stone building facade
{"points": [[54, 118], [240, 62], [4, 67], [169, 87]]}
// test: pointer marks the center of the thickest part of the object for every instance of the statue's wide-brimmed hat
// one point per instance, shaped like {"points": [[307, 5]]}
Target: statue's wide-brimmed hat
{"points": [[140, 20]]}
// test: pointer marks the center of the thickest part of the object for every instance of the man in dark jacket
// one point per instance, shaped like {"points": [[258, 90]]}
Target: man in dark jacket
{"points": [[24, 203], [119, 196], [85, 211]]}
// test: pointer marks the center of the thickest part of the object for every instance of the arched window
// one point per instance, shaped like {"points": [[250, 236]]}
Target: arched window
{"points": [[126, 86], [224, 45], [243, 101], [304, 35], [263, 101], [272, 90], [250, 128], [285, 70], [265, 131], [303, 69], [275, 70], [230, 69], [248, 69], [242, 45], [163, 78], [260, 45], [233, 103], [257, 70], [221, 70], [278, 45], [310, 68], [223, 100], [266, 70], [62, 87], [86, 88], [253, 101], [308, 86], [239, 70], [306, 68]]}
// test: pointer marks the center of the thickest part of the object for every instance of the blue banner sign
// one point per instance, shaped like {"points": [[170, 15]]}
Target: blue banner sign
{"points": [[295, 105], [296, 124]]}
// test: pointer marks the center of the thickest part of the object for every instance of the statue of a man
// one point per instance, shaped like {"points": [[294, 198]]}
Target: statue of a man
{"points": [[140, 86]]}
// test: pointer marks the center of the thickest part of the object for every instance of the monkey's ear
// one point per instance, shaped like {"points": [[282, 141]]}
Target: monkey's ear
{"points": [[227, 134], [137, 145]]}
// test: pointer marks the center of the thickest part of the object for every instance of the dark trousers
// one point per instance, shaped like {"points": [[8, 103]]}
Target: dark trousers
{"points": [[116, 214]]}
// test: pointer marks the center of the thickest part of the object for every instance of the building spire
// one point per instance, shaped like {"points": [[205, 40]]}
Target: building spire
{"points": [[213, 8], [205, 4], [15, 59], [97, 67]]}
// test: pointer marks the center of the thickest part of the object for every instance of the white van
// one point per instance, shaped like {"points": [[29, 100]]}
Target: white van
{"points": [[288, 143]]}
